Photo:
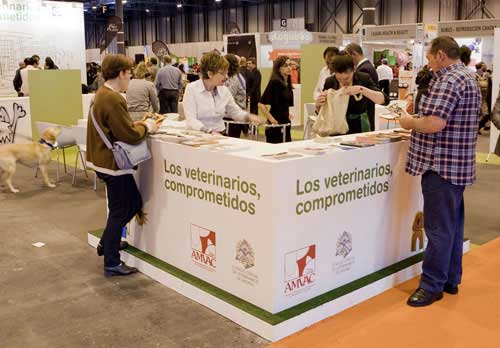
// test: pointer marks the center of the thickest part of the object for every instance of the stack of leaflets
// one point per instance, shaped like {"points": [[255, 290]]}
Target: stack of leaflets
{"points": [[199, 142], [281, 155], [379, 138], [311, 150], [226, 148]]}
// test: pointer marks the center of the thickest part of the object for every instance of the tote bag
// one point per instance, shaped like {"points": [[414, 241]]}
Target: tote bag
{"points": [[332, 116]]}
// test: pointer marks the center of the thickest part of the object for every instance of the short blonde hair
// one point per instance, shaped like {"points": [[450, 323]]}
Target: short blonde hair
{"points": [[141, 71], [213, 62]]}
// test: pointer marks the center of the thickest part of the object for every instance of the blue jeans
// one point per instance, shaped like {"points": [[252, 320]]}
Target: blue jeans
{"points": [[444, 228]]}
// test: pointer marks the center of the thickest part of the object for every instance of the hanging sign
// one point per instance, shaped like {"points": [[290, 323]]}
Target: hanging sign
{"points": [[113, 26], [391, 32], [474, 28]]}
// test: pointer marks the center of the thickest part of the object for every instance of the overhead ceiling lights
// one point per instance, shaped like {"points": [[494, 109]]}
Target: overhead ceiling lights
{"points": [[147, 10], [218, 0], [179, 5], [94, 7], [124, 1]]}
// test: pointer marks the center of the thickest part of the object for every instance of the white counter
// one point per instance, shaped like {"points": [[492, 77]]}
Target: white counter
{"points": [[276, 233]]}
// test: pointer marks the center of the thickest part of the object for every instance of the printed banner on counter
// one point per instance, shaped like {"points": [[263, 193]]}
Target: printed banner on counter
{"points": [[277, 234]]}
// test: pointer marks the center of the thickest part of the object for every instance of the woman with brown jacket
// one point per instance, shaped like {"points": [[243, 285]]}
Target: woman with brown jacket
{"points": [[124, 199]]}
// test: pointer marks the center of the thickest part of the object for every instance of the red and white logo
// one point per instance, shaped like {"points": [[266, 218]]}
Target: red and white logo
{"points": [[203, 247], [300, 269]]}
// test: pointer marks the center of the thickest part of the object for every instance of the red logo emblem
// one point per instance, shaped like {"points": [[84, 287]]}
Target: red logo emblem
{"points": [[300, 269], [203, 247]]}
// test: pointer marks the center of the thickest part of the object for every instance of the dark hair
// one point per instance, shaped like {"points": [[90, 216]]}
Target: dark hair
{"points": [[234, 64], [330, 50], [49, 62], [465, 53], [276, 75], [153, 60], [181, 68], [36, 57], [30, 61], [342, 62], [354, 47], [450, 47], [479, 65], [252, 60], [113, 64], [27, 60]]}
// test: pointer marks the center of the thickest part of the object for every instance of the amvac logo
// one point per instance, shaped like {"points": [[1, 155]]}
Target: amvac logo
{"points": [[203, 245], [300, 269]]}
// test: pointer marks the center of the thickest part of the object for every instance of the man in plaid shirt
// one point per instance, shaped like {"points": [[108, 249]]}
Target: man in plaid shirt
{"points": [[442, 150]]}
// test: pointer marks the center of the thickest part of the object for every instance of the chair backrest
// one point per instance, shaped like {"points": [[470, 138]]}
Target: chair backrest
{"points": [[65, 138], [80, 134], [310, 109]]}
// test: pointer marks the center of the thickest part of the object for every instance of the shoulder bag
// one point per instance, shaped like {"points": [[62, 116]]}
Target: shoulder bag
{"points": [[126, 156]]}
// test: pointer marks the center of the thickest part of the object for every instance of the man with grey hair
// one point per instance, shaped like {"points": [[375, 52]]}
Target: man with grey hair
{"points": [[385, 76], [168, 85]]}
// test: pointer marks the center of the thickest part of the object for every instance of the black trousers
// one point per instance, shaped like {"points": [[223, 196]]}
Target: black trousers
{"points": [[169, 101], [275, 135], [124, 201], [254, 104], [384, 86], [234, 130]]}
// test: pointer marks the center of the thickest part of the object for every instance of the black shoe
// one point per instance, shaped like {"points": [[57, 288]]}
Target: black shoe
{"points": [[100, 249], [421, 298], [450, 289], [120, 270]]}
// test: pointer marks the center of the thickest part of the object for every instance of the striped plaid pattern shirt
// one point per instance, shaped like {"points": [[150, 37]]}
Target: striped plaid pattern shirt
{"points": [[454, 95]]}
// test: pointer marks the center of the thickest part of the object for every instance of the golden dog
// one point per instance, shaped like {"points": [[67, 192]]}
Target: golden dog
{"points": [[33, 153]]}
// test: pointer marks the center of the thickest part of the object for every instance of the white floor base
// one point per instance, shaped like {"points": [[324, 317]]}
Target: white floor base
{"points": [[261, 328]]}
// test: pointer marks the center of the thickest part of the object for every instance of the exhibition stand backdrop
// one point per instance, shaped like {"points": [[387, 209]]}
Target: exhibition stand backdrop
{"points": [[46, 28]]}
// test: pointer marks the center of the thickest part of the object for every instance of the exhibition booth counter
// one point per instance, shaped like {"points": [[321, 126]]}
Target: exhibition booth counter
{"points": [[278, 225]]}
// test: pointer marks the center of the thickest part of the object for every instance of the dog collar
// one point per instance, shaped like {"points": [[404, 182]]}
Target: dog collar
{"points": [[44, 142]]}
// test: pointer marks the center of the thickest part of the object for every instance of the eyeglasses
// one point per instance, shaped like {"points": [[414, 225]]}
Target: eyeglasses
{"points": [[223, 73], [286, 65]]}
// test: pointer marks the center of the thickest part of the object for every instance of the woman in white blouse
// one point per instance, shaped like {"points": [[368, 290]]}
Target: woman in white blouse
{"points": [[206, 101]]}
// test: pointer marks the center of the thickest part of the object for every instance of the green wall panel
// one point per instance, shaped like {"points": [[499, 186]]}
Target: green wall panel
{"points": [[55, 97], [311, 63]]}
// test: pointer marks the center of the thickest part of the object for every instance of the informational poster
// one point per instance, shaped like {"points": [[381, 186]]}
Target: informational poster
{"points": [[45, 28]]}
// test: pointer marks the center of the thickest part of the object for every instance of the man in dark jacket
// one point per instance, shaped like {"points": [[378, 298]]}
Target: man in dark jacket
{"points": [[18, 81], [362, 64], [253, 85]]}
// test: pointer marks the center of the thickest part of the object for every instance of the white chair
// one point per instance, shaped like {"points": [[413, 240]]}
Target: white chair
{"points": [[310, 117], [80, 134], [65, 140]]}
